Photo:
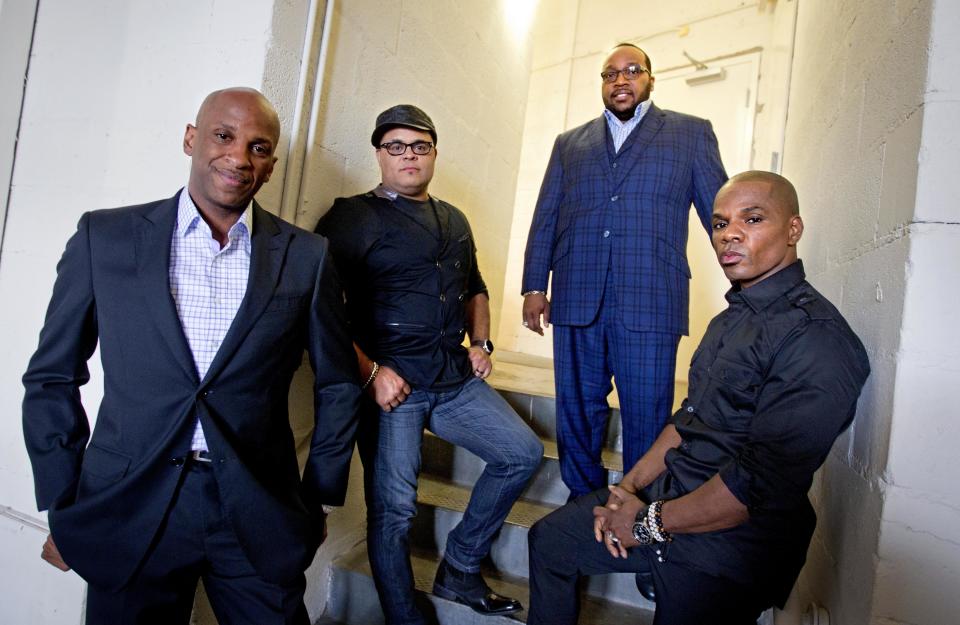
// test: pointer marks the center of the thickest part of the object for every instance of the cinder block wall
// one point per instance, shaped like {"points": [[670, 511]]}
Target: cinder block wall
{"points": [[872, 146]]}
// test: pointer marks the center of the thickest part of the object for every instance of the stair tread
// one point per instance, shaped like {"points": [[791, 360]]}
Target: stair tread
{"points": [[594, 611], [611, 460], [442, 494], [530, 379], [533, 375]]}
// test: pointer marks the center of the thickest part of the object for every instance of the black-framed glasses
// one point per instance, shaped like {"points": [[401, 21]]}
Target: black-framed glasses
{"points": [[399, 148], [630, 72]]}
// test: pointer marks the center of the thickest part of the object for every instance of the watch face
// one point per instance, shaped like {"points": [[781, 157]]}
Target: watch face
{"points": [[488, 346], [642, 534]]}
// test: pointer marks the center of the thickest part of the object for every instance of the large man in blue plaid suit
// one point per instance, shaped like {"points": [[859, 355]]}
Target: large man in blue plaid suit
{"points": [[611, 224]]}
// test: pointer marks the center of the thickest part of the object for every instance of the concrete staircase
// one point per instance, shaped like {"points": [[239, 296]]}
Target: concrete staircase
{"points": [[445, 482]]}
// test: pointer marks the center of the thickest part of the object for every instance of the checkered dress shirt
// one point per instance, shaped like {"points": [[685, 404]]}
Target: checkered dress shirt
{"points": [[621, 130], [207, 284]]}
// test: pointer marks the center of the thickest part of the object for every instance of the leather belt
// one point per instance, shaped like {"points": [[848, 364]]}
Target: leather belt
{"points": [[199, 455]]}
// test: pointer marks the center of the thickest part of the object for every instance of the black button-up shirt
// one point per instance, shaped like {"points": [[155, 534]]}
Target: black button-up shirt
{"points": [[408, 269], [774, 382]]}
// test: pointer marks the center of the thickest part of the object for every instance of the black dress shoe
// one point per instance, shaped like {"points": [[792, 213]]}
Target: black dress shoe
{"points": [[470, 589], [645, 586]]}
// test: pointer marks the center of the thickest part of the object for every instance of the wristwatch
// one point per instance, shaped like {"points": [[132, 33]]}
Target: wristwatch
{"points": [[486, 345], [641, 532]]}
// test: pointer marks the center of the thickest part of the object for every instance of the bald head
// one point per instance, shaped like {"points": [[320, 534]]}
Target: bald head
{"points": [[756, 226], [782, 194], [242, 96], [231, 149]]}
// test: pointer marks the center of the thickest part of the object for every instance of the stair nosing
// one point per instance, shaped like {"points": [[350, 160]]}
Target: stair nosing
{"points": [[523, 513]]}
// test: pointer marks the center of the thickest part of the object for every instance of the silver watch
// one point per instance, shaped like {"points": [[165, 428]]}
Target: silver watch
{"points": [[642, 533]]}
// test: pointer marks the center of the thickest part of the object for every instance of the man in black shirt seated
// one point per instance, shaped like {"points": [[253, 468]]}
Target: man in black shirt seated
{"points": [[409, 268], [716, 512]]}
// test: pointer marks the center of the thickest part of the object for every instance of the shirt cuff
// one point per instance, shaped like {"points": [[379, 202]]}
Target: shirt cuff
{"points": [[738, 480]]}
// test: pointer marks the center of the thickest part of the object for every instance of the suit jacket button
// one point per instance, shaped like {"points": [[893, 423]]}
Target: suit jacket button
{"points": [[177, 462]]}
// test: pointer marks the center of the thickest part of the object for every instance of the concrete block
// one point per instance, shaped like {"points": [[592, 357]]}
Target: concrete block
{"points": [[840, 566], [553, 35], [917, 572], [898, 189], [585, 102], [937, 199], [379, 22], [942, 80]]}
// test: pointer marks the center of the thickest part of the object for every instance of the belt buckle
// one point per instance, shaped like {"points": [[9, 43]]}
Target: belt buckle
{"points": [[200, 455]]}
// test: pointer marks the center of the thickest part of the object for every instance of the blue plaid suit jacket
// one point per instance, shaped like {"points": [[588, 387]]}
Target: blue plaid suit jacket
{"points": [[627, 215]]}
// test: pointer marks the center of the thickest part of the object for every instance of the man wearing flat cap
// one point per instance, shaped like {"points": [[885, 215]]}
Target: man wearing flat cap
{"points": [[413, 291]]}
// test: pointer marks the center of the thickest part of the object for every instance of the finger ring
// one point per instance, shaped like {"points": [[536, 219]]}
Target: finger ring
{"points": [[526, 324]]}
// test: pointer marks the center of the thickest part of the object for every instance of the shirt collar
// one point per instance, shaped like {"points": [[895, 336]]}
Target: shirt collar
{"points": [[768, 290], [637, 114], [188, 217], [385, 192]]}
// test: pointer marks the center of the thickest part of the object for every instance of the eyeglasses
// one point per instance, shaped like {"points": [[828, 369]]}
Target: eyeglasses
{"points": [[399, 148], [630, 72]]}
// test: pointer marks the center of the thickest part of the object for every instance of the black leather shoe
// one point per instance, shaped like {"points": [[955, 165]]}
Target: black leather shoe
{"points": [[470, 589], [645, 586]]}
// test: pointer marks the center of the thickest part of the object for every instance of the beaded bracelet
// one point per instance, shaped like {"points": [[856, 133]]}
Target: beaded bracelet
{"points": [[655, 522], [373, 374]]}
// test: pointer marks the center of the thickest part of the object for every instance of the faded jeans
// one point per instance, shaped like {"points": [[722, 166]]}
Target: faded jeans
{"points": [[472, 416]]}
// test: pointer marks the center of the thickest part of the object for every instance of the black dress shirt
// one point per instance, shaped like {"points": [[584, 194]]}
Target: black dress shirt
{"points": [[408, 268], [774, 382]]}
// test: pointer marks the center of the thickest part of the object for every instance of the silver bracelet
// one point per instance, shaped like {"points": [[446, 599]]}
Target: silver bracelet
{"points": [[373, 374], [655, 522], [533, 293]]}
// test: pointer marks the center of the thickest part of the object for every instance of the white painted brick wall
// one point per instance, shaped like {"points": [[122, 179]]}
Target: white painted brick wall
{"points": [[874, 155]]}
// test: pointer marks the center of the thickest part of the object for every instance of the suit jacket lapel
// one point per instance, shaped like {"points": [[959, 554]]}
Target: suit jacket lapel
{"points": [[596, 144], [641, 137], [152, 248], [268, 246]]}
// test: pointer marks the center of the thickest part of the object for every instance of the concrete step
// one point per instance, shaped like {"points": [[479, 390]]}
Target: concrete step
{"points": [[457, 465], [439, 493], [353, 599], [540, 413], [440, 508], [527, 383]]}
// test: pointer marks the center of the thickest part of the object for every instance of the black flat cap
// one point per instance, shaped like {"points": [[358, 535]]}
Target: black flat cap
{"points": [[406, 115]]}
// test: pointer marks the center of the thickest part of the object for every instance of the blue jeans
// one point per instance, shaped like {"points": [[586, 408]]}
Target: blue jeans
{"points": [[473, 416]]}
